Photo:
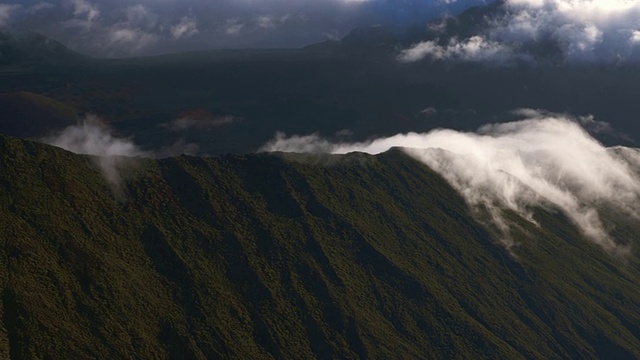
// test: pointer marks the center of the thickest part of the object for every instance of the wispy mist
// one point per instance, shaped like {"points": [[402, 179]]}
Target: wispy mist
{"points": [[543, 160], [92, 137]]}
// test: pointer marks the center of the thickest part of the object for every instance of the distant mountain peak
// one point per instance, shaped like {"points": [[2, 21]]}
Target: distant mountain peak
{"points": [[20, 47]]}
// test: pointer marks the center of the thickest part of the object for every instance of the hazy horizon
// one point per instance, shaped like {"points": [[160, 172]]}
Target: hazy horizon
{"points": [[128, 28]]}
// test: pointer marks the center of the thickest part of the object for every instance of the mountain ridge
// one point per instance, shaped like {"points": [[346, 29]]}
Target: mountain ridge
{"points": [[290, 256]]}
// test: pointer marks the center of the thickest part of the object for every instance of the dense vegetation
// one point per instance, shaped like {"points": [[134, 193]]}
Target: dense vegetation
{"points": [[290, 256]]}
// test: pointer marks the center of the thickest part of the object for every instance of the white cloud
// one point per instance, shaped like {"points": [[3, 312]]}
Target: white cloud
{"points": [[545, 160], [6, 13], [113, 154], [82, 24], [422, 50], [266, 22], [584, 30], [131, 39], [10, 12], [187, 27], [140, 15], [127, 31], [233, 26], [85, 15], [476, 48], [270, 21], [39, 7], [85, 9], [92, 137], [136, 31]]}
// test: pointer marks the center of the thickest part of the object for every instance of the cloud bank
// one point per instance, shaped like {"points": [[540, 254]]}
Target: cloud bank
{"points": [[579, 30], [476, 48], [546, 160]]}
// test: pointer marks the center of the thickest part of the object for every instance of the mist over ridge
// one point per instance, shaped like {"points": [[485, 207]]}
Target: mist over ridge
{"points": [[243, 194], [363, 255], [543, 160], [111, 151]]}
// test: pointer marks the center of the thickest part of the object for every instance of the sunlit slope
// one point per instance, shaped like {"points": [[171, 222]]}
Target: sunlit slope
{"points": [[291, 256]]}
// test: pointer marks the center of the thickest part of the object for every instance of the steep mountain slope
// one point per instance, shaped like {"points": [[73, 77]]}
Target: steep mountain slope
{"points": [[290, 256]]}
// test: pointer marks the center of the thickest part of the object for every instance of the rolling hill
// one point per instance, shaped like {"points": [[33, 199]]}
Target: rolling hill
{"points": [[30, 115], [291, 256]]}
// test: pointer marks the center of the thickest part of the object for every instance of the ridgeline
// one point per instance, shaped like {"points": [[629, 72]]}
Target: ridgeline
{"points": [[291, 256]]}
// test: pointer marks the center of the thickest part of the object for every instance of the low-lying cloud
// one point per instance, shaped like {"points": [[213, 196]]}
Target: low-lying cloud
{"points": [[186, 28], [92, 137], [474, 49], [112, 154], [546, 160], [6, 12]]}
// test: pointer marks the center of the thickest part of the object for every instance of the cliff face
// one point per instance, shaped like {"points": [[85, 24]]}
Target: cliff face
{"points": [[290, 256]]}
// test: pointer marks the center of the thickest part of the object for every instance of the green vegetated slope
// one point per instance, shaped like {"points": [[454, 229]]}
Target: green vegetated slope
{"points": [[290, 256]]}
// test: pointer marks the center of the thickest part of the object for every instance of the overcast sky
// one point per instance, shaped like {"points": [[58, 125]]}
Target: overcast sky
{"points": [[583, 30], [118, 28]]}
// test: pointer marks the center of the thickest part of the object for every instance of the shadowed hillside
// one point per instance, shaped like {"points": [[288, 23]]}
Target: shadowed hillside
{"points": [[31, 115], [24, 49], [290, 256]]}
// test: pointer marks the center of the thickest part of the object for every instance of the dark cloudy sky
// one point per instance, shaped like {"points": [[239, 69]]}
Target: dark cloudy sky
{"points": [[583, 30], [137, 27]]}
